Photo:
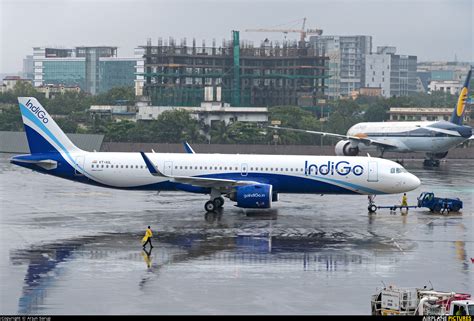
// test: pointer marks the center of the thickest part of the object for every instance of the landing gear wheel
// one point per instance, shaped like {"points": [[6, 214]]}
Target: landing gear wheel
{"points": [[219, 202], [372, 208], [431, 162], [210, 206]]}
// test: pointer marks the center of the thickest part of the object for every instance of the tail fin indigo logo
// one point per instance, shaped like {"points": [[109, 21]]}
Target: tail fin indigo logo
{"points": [[41, 114]]}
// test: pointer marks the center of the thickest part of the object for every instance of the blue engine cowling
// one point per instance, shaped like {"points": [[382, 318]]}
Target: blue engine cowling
{"points": [[253, 196]]}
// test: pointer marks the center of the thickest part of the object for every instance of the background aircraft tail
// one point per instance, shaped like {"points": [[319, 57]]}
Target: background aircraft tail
{"points": [[42, 132], [458, 112]]}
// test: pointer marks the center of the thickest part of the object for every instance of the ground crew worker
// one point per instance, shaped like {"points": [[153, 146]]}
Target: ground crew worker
{"points": [[404, 201], [147, 238]]}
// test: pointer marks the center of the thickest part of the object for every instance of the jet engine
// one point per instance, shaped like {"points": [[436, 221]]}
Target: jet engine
{"points": [[344, 148], [253, 196], [440, 155]]}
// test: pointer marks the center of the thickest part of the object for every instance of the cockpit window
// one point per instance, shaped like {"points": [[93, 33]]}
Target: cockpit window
{"points": [[399, 170], [392, 170]]}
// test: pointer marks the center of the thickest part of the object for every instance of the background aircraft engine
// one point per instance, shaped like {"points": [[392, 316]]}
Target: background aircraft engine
{"points": [[440, 155], [344, 148], [253, 196]]}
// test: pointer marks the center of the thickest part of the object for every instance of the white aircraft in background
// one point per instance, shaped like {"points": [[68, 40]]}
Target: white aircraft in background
{"points": [[435, 138], [252, 181]]}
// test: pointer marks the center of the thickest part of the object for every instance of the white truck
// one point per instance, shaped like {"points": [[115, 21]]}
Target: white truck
{"points": [[392, 300]]}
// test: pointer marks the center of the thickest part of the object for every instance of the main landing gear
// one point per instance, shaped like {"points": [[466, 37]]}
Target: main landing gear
{"points": [[432, 160], [214, 204], [216, 201]]}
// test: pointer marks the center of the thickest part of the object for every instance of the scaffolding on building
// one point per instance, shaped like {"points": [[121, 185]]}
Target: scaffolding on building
{"points": [[268, 75]]}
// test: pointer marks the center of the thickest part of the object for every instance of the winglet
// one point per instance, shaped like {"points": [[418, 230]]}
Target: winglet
{"points": [[151, 168], [188, 148]]}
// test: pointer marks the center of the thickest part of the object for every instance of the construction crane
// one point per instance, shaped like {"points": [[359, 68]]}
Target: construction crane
{"points": [[301, 31]]}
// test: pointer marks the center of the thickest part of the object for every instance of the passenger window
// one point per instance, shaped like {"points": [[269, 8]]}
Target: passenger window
{"points": [[92, 166], [126, 166], [266, 169], [185, 167], [121, 166], [225, 168], [291, 169], [220, 168], [176, 167], [200, 167], [281, 169], [251, 168], [205, 167], [286, 169], [215, 167], [181, 167], [271, 169], [141, 166], [102, 166]]}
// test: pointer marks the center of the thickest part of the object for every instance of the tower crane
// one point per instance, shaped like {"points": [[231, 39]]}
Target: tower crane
{"points": [[301, 31]]}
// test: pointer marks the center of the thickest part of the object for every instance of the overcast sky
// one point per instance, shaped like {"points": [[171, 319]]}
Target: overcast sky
{"points": [[430, 29]]}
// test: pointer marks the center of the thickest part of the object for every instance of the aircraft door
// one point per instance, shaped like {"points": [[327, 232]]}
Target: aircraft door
{"points": [[79, 163], [373, 175], [244, 169], [168, 168]]}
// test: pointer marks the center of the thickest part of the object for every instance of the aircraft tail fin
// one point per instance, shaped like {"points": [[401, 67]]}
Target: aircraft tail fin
{"points": [[42, 132], [459, 109]]}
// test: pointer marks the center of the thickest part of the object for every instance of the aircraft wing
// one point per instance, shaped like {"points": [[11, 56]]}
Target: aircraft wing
{"points": [[444, 131], [196, 181], [364, 140]]}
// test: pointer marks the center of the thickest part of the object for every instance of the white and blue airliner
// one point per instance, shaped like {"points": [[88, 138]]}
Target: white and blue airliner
{"points": [[252, 181]]}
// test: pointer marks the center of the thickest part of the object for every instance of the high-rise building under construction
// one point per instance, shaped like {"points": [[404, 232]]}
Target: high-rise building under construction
{"points": [[272, 74]]}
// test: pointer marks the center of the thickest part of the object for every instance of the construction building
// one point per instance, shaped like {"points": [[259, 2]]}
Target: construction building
{"points": [[288, 73]]}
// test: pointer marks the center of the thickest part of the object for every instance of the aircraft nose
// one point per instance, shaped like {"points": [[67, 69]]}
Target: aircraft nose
{"points": [[412, 182]]}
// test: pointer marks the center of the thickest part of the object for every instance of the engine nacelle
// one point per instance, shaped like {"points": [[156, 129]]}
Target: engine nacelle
{"points": [[344, 148], [440, 155], [253, 196]]}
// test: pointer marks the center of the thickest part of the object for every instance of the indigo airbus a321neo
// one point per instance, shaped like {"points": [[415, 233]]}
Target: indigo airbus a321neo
{"points": [[252, 181]]}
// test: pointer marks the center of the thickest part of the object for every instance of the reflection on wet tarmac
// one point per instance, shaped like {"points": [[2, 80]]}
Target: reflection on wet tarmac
{"points": [[45, 262], [77, 250]]}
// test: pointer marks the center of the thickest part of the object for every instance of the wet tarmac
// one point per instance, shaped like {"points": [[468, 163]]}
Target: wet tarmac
{"points": [[68, 248]]}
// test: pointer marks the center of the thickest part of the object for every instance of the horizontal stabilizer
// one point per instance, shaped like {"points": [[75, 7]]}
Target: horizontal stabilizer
{"points": [[47, 164]]}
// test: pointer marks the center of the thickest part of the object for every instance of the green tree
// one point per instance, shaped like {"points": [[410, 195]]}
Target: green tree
{"points": [[294, 117], [116, 95], [119, 131], [10, 118], [345, 114], [220, 133], [376, 112], [175, 126]]}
